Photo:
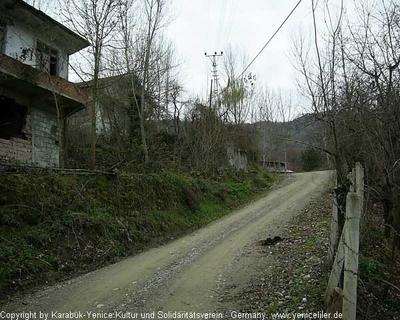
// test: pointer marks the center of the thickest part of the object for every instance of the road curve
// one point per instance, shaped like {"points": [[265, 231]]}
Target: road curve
{"points": [[184, 275]]}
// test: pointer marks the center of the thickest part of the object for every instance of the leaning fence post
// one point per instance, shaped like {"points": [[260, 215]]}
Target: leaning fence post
{"points": [[336, 271], [360, 184], [334, 234]]}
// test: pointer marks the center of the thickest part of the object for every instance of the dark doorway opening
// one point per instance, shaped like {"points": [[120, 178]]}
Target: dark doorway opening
{"points": [[12, 118]]}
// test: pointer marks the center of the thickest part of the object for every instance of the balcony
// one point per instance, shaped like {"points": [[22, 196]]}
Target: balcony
{"points": [[32, 82]]}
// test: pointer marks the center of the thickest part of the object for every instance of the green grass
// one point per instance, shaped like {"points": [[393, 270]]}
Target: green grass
{"points": [[369, 266], [378, 271], [64, 225]]}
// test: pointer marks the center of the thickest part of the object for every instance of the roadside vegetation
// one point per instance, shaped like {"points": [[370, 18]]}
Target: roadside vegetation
{"points": [[166, 154], [311, 159], [350, 73], [379, 265], [56, 226], [301, 257]]}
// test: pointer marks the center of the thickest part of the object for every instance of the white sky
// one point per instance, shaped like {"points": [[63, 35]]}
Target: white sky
{"points": [[200, 26], [245, 25]]}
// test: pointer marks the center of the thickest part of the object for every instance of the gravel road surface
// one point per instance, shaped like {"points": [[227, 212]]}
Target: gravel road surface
{"points": [[188, 274]]}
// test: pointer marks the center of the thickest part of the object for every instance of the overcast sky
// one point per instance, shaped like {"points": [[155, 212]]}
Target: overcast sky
{"points": [[200, 26], [245, 25]]}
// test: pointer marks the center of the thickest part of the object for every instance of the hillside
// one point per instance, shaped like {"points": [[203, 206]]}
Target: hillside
{"points": [[275, 137], [55, 226]]}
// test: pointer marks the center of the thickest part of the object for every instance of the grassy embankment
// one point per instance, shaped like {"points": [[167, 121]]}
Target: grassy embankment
{"points": [[57, 226]]}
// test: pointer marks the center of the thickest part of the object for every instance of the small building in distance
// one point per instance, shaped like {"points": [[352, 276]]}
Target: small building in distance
{"points": [[35, 95], [117, 108]]}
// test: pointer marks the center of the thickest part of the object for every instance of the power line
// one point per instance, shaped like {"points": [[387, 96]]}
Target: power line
{"points": [[268, 42], [270, 39], [230, 20], [221, 24]]}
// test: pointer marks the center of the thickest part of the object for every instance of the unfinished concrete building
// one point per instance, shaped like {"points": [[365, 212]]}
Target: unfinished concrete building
{"points": [[35, 95]]}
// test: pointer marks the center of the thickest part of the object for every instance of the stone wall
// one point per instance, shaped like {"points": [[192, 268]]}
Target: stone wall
{"points": [[237, 158], [45, 138]]}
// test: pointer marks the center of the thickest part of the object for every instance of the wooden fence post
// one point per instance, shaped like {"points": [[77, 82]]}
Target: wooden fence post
{"points": [[335, 273], [334, 234], [360, 185], [354, 207]]}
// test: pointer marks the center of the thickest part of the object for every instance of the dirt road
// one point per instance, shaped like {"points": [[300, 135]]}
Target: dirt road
{"points": [[188, 274]]}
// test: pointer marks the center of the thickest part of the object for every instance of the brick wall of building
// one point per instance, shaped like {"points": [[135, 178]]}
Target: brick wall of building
{"points": [[18, 149], [40, 142]]}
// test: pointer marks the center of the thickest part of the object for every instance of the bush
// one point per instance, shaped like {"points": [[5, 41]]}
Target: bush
{"points": [[311, 159]]}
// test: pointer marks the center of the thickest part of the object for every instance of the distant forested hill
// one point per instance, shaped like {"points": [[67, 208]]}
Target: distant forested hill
{"points": [[274, 137]]}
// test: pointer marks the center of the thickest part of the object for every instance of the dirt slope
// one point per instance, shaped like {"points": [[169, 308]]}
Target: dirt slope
{"points": [[188, 273]]}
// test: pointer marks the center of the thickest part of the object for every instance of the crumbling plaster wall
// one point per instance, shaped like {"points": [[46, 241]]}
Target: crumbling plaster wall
{"points": [[39, 144], [237, 158], [45, 138], [20, 37]]}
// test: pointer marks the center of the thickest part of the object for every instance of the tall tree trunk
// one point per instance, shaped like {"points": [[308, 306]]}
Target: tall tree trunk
{"points": [[93, 134]]}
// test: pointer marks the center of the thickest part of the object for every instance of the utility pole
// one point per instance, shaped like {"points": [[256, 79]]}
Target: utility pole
{"points": [[215, 84], [211, 90]]}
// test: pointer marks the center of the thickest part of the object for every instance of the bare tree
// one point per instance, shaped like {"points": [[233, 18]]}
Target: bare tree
{"points": [[154, 20], [97, 21], [204, 138], [353, 81], [320, 68]]}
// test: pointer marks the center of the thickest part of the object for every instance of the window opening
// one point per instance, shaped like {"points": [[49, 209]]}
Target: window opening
{"points": [[46, 58]]}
